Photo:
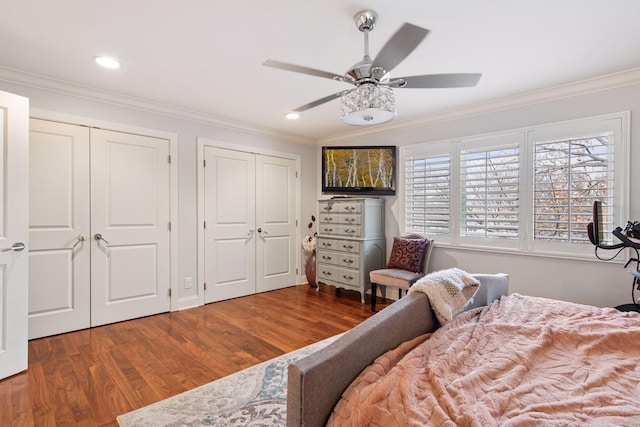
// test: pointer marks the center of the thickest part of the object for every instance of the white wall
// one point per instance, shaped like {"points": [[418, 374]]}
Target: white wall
{"points": [[592, 282], [187, 132]]}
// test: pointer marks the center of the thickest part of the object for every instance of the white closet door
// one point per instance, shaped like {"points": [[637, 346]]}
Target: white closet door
{"points": [[59, 249], [14, 213], [130, 242], [229, 214], [276, 218]]}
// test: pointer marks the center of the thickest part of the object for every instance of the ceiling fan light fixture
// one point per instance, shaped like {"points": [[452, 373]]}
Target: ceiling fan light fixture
{"points": [[368, 104]]}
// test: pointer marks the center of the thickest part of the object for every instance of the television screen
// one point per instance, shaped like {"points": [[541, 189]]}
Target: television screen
{"points": [[363, 170]]}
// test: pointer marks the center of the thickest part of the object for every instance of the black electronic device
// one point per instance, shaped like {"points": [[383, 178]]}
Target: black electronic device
{"points": [[359, 170]]}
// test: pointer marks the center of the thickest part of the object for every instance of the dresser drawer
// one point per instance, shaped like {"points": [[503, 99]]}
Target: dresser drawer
{"points": [[339, 245], [341, 259], [350, 230], [339, 275], [350, 219]]}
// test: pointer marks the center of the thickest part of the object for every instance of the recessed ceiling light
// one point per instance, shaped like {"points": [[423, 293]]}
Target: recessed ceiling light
{"points": [[107, 62], [292, 116]]}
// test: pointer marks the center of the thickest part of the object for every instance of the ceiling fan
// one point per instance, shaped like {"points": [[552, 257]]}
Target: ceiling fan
{"points": [[371, 101]]}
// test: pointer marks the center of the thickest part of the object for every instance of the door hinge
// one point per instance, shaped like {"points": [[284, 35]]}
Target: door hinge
{"points": [[169, 225], [204, 163], [169, 292], [205, 286], [296, 174], [296, 271], [205, 224], [169, 159], [296, 222]]}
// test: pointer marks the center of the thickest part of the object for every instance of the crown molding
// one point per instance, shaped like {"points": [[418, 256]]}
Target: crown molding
{"points": [[596, 84], [49, 84]]}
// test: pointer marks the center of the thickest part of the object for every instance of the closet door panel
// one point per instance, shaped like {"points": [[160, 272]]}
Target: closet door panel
{"points": [[277, 245], [59, 219], [130, 226], [230, 233]]}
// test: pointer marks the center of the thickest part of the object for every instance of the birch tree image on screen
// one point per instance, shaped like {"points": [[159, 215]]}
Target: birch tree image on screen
{"points": [[371, 168]]}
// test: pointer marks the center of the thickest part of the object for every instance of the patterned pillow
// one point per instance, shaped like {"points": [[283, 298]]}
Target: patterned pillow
{"points": [[408, 254], [449, 292]]}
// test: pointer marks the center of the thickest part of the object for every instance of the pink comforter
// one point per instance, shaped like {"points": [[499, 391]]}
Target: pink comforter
{"points": [[522, 361]]}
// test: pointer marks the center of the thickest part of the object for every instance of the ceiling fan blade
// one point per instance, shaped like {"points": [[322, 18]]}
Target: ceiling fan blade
{"points": [[319, 102], [435, 81], [399, 46], [305, 70]]}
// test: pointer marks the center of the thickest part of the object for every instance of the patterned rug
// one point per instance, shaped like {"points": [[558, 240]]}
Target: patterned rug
{"points": [[255, 396]]}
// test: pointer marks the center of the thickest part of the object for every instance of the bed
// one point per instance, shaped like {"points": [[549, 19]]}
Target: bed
{"points": [[503, 360]]}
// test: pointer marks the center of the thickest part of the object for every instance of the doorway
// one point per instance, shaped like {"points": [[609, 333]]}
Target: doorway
{"points": [[99, 227], [248, 214]]}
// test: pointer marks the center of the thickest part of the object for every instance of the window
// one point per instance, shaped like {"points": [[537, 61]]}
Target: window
{"points": [[529, 189], [427, 195], [569, 176], [489, 193]]}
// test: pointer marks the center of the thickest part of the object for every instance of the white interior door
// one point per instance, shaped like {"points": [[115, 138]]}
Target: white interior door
{"points": [[229, 215], [59, 227], [14, 215], [277, 247], [130, 241]]}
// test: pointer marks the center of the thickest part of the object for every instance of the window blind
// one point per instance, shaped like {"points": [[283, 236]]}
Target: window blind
{"points": [[427, 194], [489, 188], [568, 176]]}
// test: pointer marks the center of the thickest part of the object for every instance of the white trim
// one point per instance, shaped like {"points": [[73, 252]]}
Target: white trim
{"points": [[596, 84], [173, 184], [201, 143], [122, 100]]}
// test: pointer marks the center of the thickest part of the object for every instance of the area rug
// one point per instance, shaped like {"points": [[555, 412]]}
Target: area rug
{"points": [[256, 396]]}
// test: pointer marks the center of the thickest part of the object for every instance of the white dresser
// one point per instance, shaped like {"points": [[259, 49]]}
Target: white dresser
{"points": [[350, 242]]}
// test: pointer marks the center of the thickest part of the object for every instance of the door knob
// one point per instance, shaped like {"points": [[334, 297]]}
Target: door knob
{"points": [[80, 238], [98, 236], [16, 247]]}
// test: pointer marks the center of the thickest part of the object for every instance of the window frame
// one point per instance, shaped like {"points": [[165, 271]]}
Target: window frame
{"points": [[526, 137]]}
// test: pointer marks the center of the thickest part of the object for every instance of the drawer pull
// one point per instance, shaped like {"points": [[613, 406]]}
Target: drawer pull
{"points": [[347, 277], [328, 218], [326, 273], [350, 219], [347, 246], [350, 208], [326, 244], [347, 261], [350, 231], [327, 208], [326, 258], [328, 230]]}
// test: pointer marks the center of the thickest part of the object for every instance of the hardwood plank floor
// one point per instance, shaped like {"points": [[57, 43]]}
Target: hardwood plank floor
{"points": [[89, 377]]}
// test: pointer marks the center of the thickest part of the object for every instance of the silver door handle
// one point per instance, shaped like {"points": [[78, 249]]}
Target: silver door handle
{"points": [[251, 232], [260, 230], [16, 247], [80, 238], [98, 236]]}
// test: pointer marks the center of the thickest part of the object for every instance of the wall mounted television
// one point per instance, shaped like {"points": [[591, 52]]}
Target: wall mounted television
{"points": [[364, 170]]}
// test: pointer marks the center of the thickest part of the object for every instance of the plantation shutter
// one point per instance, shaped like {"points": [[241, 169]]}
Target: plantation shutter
{"points": [[569, 175], [427, 194], [489, 188]]}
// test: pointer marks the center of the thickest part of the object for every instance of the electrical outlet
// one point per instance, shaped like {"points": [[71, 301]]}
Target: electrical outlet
{"points": [[188, 282]]}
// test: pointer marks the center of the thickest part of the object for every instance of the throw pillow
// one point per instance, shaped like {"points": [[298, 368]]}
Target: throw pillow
{"points": [[408, 254], [449, 292]]}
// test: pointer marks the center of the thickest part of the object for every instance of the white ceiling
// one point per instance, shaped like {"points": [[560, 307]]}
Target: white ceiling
{"points": [[205, 56]]}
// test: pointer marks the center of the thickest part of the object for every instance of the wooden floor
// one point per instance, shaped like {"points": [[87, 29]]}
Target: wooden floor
{"points": [[87, 378]]}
